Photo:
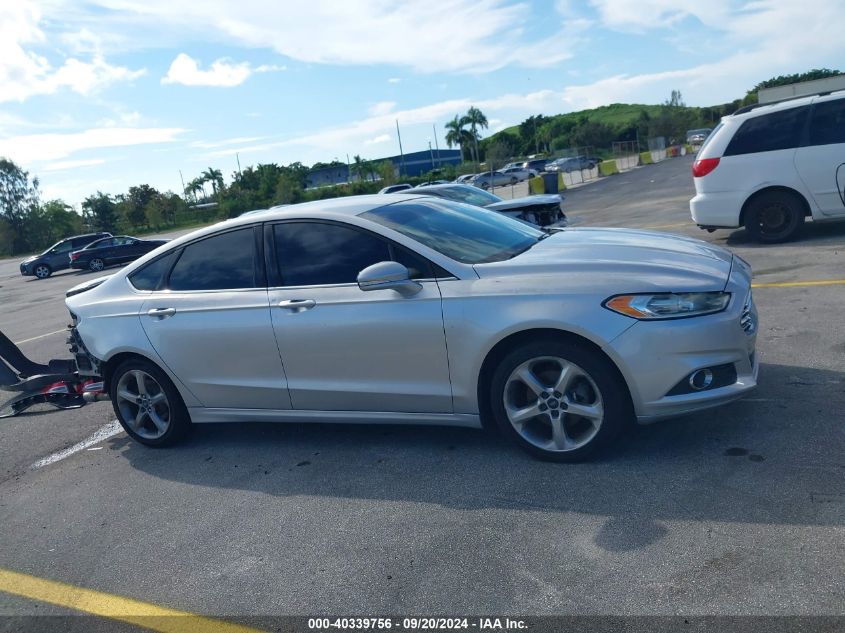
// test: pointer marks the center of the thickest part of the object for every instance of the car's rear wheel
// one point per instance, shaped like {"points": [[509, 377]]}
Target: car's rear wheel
{"points": [[774, 216], [559, 400], [42, 271], [96, 264], [147, 404], [514, 180]]}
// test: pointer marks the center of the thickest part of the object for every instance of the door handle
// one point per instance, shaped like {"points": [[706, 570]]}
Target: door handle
{"points": [[297, 305], [161, 313]]}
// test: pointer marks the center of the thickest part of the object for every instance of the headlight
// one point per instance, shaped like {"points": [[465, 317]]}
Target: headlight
{"points": [[669, 305]]}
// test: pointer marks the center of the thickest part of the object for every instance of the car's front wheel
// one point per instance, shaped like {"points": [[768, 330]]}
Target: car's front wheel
{"points": [[96, 264], [147, 404], [774, 216], [42, 271], [559, 400]]}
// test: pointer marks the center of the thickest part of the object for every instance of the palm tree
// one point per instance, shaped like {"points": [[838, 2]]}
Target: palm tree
{"points": [[359, 167], [196, 186], [477, 121], [215, 177], [456, 134]]}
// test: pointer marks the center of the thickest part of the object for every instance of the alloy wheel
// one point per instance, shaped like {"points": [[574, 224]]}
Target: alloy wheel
{"points": [[143, 404], [97, 265], [553, 404], [42, 272]]}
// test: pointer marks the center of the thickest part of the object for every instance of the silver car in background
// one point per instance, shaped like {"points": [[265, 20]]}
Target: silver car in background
{"points": [[402, 309]]}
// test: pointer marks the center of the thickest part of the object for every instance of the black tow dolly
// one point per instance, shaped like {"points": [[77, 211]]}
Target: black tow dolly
{"points": [[57, 383]]}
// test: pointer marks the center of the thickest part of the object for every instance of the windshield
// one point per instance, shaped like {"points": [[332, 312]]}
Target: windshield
{"points": [[462, 232], [467, 194]]}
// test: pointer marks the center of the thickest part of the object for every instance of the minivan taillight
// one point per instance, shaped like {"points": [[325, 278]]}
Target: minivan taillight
{"points": [[701, 168]]}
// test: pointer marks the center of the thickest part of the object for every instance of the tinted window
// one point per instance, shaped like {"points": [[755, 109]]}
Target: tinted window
{"points": [[770, 132], [149, 277], [101, 243], [311, 253], [827, 124], [418, 267], [222, 262], [465, 233], [63, 247]]}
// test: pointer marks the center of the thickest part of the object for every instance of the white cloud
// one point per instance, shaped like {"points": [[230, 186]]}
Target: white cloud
{"points": [[24, 73], [641, 15], [358, 32], [381, 138], [222, 73], [394, 80], [382, 107], [72, 164], [34, 148]]}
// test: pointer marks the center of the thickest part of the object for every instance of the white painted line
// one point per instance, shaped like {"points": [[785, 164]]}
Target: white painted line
{"points": [[35, 338], [107, 431]]}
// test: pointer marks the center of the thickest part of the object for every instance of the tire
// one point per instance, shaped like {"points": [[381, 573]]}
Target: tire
{"points": [[96, 265], [514, 181], [774, 217], [166, 421], [42, 271], [555, 433]]}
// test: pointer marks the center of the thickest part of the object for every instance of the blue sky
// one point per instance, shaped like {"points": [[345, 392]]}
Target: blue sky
{"points": [[105, 94]]}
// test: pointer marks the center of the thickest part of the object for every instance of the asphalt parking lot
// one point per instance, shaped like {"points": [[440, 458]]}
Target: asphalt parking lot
{"points": [[737, 511]]}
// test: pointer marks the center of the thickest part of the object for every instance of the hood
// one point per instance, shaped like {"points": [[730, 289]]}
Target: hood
{"points": [[30, 259], [519, 203], [623, 260]]}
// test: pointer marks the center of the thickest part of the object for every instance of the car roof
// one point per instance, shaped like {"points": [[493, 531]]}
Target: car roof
{"points": [[776, 106]]}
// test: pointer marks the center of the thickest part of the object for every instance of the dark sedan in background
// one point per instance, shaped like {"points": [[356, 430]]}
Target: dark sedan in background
{"points": [[56, 257], [545, 210], [112, 250]]}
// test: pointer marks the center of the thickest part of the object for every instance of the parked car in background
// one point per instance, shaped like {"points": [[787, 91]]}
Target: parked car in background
{"points": [[520, 173], [768, 167], [545, 210], [112, 250], [57, 257], [696, 137], [487, 179], [571, 163], [465, 178], [395, 188], [537, 164], [433, 182], [559, 340]]}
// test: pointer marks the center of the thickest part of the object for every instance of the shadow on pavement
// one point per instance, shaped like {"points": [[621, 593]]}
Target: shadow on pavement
{"points": [[772, 458]]}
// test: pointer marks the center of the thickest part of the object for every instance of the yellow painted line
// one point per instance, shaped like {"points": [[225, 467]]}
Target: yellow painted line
{"points": [[107, 605], [798, 284], [35, 338]]}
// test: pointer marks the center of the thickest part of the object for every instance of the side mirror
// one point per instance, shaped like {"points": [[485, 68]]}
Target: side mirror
{"points": [[388, 276]]}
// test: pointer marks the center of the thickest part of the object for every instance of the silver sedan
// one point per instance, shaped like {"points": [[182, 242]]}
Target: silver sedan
{"points": [[401, 309]]}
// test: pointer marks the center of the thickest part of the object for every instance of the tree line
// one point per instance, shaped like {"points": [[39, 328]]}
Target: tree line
{"points": [[29, 224]]}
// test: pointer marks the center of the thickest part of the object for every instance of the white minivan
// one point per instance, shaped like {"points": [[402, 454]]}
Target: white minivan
{"points": [[767, 167]]}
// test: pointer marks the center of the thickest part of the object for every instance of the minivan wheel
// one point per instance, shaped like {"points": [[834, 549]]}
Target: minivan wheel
{"points": [[147, 404], [559, 400], [96, 264], [774, 216], [42, 271]]}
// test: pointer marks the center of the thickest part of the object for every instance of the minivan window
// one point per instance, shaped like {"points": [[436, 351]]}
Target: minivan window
{"points": [[222, 262], [827, 124], [769, 132]]}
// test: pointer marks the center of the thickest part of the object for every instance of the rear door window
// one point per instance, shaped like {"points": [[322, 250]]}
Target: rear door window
{"points": [[223, 262], [827, 124], [770, 132]]}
